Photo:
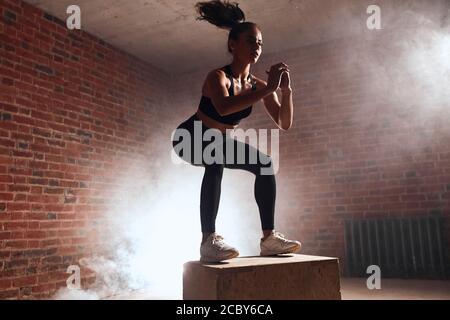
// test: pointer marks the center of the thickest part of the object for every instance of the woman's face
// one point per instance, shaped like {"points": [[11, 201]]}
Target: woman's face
{"points": [[249, 46]]}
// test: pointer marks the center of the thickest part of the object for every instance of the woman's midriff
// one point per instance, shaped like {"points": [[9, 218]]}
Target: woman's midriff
{"points": [[213, 124]]}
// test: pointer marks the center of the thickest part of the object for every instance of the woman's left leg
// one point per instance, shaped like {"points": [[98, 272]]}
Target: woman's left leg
{"points": [[273, 242], [265, 182]]}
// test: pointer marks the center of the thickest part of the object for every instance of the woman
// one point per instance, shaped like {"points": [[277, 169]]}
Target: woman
{"points": [[227, 97]]}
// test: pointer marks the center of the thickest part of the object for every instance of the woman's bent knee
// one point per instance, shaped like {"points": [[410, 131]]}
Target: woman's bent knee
{"points": [[215, 170], [266, 165]]}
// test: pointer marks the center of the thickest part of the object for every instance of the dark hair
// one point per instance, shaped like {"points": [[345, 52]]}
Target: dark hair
{"points": [[224, 15]]}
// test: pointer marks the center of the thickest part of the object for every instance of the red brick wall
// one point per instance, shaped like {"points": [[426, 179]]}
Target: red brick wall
{"points": [[356, 149], [353, 150], [74, 111]]}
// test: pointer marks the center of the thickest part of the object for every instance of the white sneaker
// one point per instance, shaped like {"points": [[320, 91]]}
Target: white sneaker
{"points": [[276, 243], [214, 249]]}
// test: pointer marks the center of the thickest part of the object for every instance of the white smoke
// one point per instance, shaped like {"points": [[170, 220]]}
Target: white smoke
{"points": [[156, 219], [155, 228]]}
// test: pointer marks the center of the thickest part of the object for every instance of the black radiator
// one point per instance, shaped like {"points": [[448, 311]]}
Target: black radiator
{"points": [[401, 247]]}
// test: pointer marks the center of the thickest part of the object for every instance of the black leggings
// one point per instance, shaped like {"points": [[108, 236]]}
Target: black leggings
{"points": [[265, 184]]}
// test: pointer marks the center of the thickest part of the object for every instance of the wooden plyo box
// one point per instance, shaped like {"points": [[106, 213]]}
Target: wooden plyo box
{"points": [[283, 277]]}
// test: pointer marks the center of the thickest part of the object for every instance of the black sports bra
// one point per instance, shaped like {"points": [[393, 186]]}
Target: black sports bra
{"points": [[207, 107]]}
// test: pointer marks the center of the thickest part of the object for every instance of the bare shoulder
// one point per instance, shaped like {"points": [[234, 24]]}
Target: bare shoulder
{"points": [[214, 78], [216, 83], [216, 74], [259, 82]]}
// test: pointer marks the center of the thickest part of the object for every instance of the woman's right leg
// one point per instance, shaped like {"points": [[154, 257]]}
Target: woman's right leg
{"points": [[210, 197], [211, 183], [213, 247]]}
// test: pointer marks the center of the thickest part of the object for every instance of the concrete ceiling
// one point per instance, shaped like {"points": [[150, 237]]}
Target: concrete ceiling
{"points": [[166, 34]]}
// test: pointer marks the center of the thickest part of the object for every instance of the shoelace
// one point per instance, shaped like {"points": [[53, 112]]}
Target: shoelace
{"points": [[218, 239], [280, 236]]}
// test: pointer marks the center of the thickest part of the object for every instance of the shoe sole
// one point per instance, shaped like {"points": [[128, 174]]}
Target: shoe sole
{"points": [[274, 253], [215, 259]]}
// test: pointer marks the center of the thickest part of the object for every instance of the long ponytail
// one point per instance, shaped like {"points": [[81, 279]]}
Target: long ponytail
{"points": [[225, 15]]}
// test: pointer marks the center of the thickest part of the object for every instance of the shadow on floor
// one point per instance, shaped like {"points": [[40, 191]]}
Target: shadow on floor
{"points": [[351, 289], [395, 289]]}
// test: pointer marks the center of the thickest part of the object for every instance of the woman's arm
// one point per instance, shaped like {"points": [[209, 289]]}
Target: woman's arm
{"points": [[226, 104], [286, 109], [281, 114]]}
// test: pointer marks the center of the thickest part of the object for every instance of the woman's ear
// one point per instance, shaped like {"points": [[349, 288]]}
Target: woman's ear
{"points": [[231, 45]]}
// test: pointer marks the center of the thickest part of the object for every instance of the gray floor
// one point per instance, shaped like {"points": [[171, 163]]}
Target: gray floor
{"points": [[351, 289], [395, 289]]}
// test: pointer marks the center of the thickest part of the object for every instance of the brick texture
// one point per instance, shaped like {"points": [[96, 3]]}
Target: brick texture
{"points": [[352, 150], [73, 109], [349, 154]]}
